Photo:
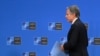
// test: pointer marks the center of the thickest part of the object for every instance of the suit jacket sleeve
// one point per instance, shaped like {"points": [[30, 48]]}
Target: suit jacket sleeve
{"points": [[73, 38]]}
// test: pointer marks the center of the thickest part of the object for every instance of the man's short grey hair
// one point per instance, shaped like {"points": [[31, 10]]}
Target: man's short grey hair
{"points": [[74, 9]]}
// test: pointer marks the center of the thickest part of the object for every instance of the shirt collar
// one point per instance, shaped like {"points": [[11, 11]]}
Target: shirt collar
{"points": [[74, 20]]}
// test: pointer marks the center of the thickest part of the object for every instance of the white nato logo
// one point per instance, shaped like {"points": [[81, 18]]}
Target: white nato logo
{"points": [[91, 40], [51, 26], [25, 25], [63, 40], [26, 54], [37, 40], [10, 40]]}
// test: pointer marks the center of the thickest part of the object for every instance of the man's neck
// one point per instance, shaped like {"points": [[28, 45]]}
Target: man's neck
{"points": [[74, 20]]}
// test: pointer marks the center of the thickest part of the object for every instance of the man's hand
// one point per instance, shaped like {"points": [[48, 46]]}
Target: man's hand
{"points": [[62, 48]]}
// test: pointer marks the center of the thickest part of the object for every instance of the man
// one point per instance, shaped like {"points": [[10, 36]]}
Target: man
{"points": [[77, 36]]}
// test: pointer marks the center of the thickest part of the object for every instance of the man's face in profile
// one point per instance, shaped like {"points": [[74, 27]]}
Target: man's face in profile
{"points": [[69, 16]]}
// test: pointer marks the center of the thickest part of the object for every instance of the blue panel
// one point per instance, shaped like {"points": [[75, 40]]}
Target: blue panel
{"points": [[13, 13]]}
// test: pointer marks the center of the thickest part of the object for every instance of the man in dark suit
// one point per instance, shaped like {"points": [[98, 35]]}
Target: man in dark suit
{"points": [[77, 36]]}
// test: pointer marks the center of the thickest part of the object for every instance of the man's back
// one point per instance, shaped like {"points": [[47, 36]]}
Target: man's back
{"points": [[77, 36], [77, 39]]}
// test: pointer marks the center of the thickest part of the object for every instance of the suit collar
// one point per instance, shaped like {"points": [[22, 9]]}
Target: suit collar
{"points": [[74, 20]]}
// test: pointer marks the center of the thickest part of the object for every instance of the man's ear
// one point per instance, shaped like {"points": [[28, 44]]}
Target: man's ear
{"points": [[74, 14]]}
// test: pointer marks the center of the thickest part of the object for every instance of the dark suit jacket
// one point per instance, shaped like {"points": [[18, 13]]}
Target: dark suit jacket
{"points": [[77, 40]]}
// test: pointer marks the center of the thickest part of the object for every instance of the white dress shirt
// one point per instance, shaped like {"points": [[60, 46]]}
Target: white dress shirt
{"points": [[74, 20]]}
